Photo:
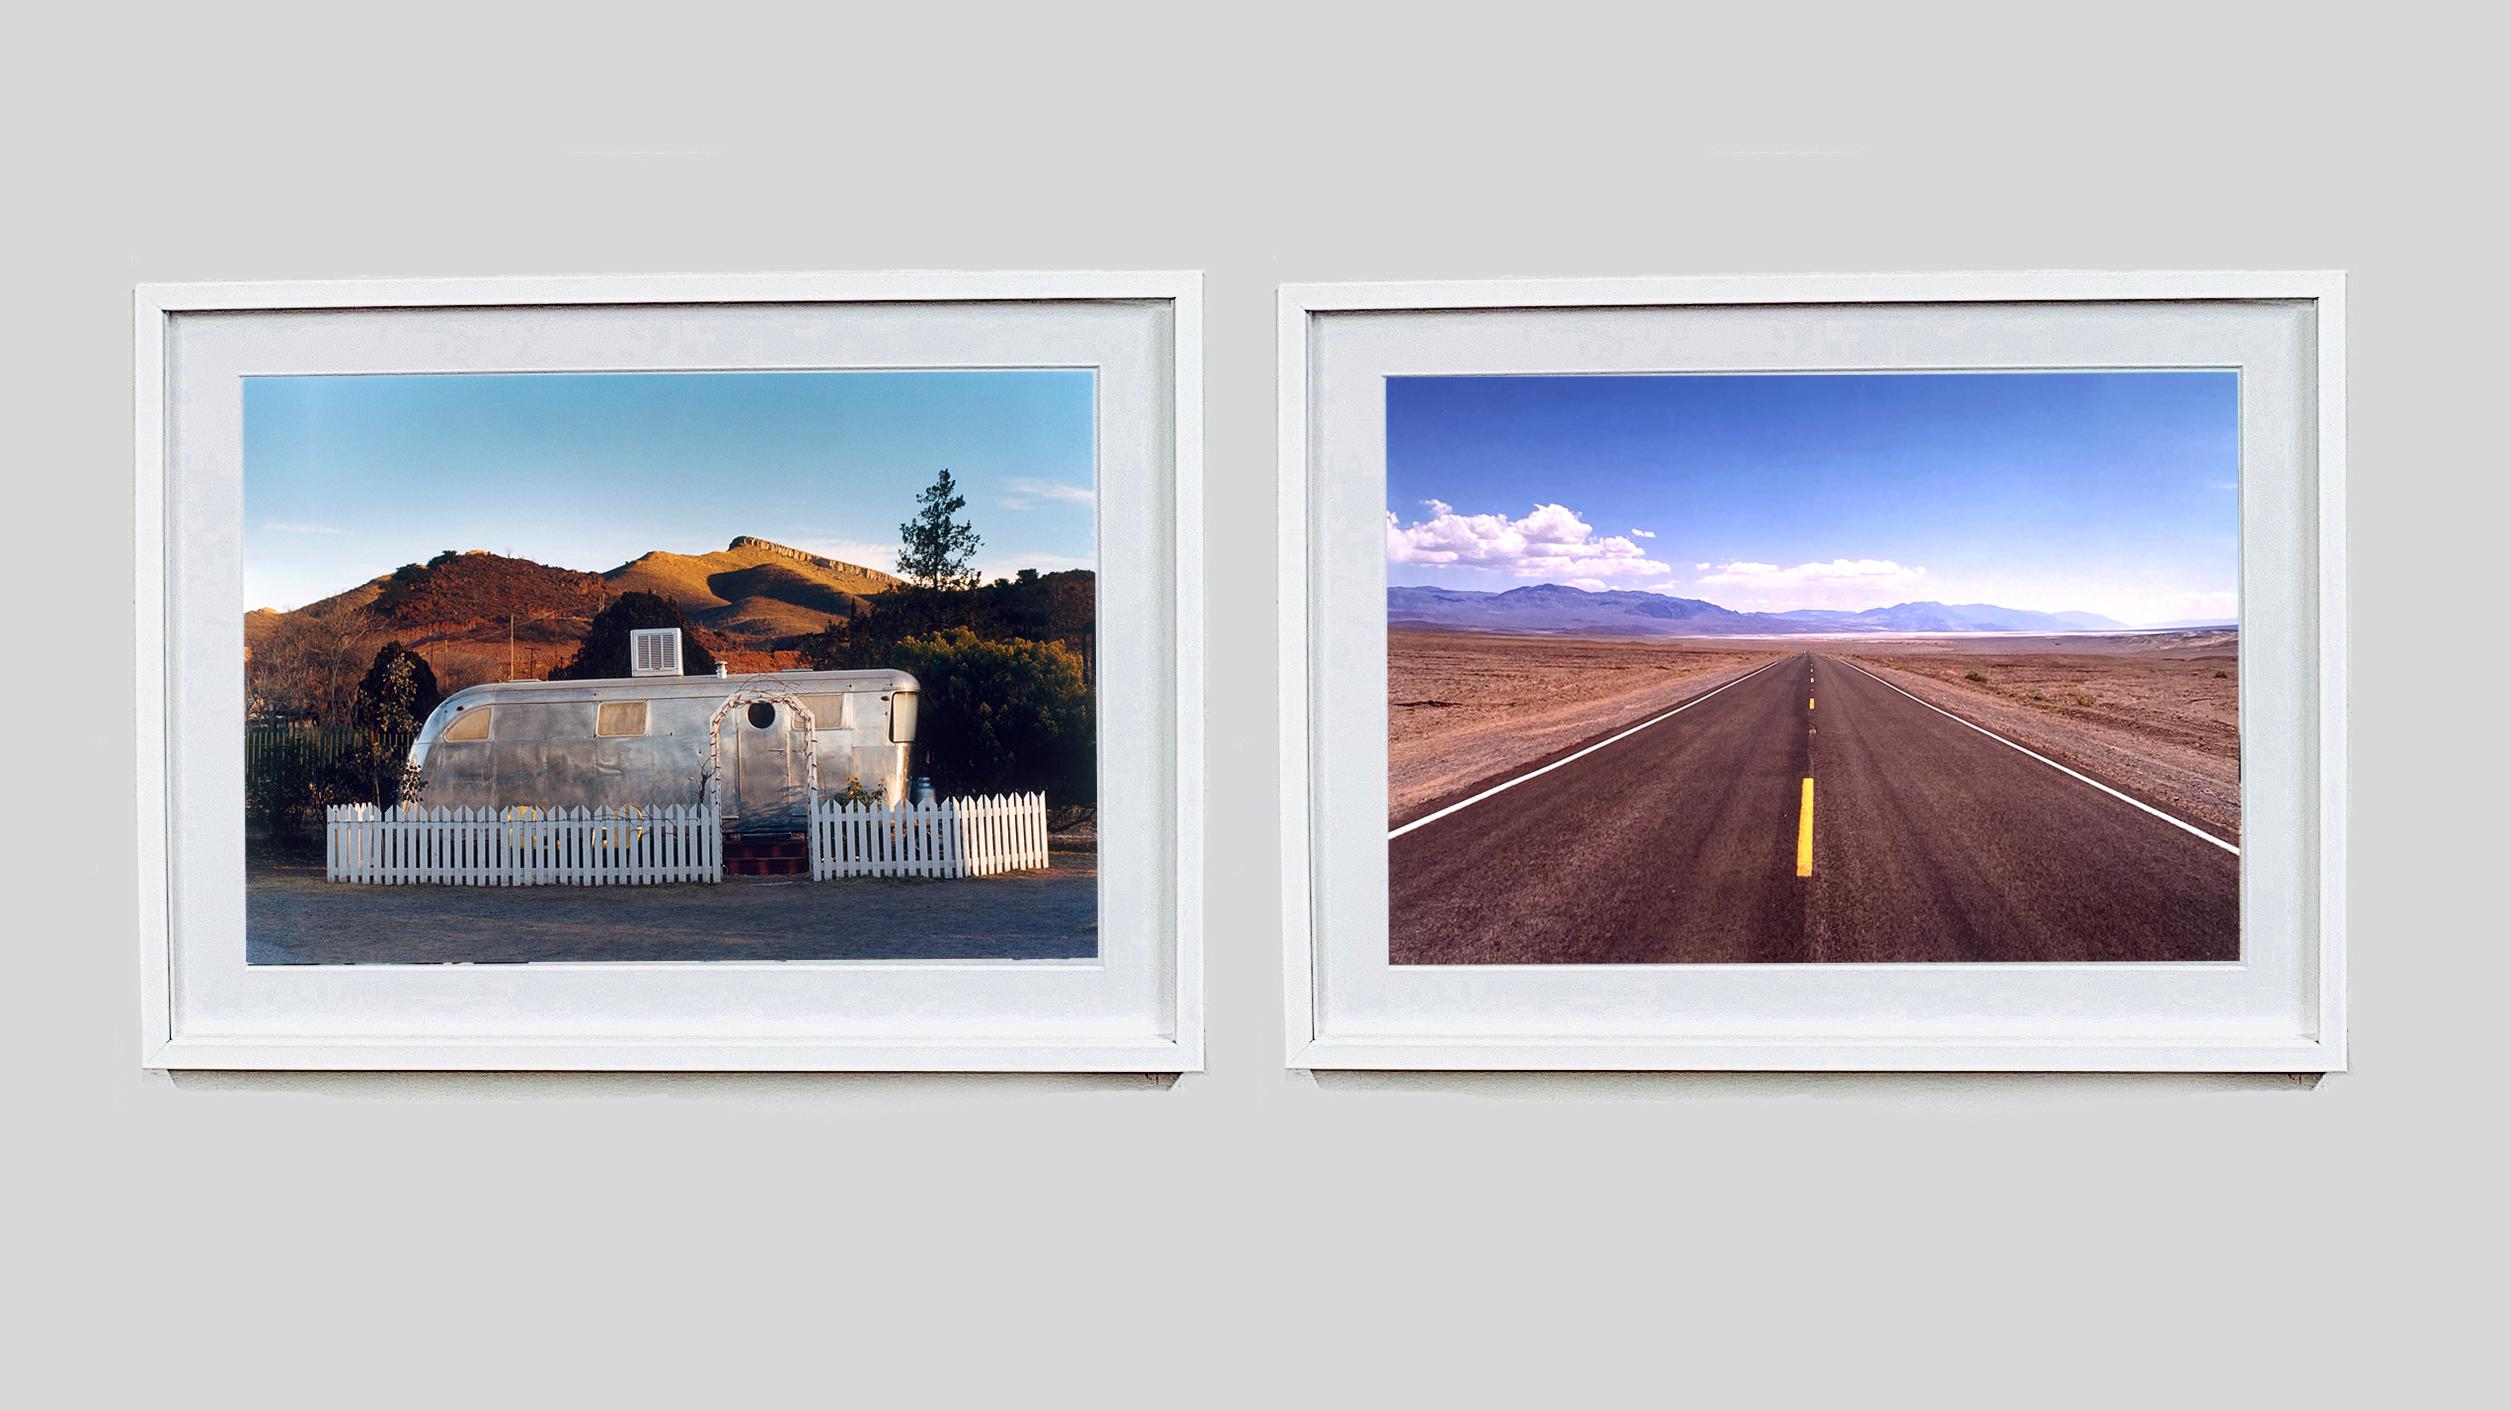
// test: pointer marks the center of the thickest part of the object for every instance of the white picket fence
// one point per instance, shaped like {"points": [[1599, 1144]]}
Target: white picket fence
{"points": [[952, 837], [411, 846]]}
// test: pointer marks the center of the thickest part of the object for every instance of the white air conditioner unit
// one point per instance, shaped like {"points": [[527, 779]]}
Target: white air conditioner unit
{"points": [[654, 651]]}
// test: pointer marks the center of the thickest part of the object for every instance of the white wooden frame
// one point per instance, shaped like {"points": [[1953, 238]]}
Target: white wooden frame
{"points": [[1172, 1044], [2318, 1047]]}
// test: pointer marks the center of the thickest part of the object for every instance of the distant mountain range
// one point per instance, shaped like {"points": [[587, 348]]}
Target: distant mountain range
{"points": [[1556, 608]]}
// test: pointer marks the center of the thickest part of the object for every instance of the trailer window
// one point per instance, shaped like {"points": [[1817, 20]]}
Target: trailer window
{"points": [[617, 717], [828, 712], [470, 724], [902, 717]]}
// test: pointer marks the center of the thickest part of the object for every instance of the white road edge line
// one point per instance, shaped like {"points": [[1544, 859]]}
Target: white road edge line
{"points": [[2189, 828], [1498, 788]]}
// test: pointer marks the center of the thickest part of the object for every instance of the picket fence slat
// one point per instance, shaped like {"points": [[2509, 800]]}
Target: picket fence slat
{"points": [[949, 838], [523, 846], [520, 846]]}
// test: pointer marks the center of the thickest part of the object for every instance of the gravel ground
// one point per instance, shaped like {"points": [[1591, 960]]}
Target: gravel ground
{"points": [[1463, 708], [293, 916]]}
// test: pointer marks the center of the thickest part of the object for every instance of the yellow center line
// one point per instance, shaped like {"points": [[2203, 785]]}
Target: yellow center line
{"points": [[1804, 832]]}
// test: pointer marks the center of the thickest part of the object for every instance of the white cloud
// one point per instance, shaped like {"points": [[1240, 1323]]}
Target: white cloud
{"points": [[1643, 533], [883, 556], [303, 529], [1030, 494], [1851, 584], [1551, 543]]}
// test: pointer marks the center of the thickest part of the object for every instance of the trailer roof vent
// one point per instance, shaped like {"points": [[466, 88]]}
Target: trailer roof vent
{"points": [[654, 651]]}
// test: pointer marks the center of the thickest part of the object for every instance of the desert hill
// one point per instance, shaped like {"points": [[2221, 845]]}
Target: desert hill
{"points": [[752, 579], [477, 615], [451, 597]]}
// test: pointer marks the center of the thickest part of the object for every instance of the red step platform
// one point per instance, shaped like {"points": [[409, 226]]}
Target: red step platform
{"points": [[766, 856]]}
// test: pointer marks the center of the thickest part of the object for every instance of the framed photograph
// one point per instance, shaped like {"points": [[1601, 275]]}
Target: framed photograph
{"points": [[679, 673], [1916, 672]]}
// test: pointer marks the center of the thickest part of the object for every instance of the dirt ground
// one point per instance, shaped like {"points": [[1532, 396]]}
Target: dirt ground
{"points": [[1462, 707], [2155, 715], [293, 916]]}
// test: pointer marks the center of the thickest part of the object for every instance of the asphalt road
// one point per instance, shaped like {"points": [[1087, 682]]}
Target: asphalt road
{"points": [[1684, 842]]}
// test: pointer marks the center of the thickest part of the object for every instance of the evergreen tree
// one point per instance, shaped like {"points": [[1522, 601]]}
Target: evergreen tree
{"points": [[935, 546]]}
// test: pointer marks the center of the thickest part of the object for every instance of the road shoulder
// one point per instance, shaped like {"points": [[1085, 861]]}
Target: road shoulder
{"points": [[2198, 792]]}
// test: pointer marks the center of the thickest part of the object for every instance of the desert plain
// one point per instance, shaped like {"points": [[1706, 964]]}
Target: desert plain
{"points": [[1467, 708], [2153, 714]]}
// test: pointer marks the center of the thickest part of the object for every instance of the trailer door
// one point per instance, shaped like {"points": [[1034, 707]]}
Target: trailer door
{"points": [[766, 768]]}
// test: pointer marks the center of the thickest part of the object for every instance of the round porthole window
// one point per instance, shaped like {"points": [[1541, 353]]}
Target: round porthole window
{"points": [[762, 714]]}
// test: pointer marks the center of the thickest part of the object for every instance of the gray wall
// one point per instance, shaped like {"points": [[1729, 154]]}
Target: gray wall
{"points": [[308, 1240]]}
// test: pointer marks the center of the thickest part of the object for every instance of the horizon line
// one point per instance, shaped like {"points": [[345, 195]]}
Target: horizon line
{"points": [[2231, 619]]}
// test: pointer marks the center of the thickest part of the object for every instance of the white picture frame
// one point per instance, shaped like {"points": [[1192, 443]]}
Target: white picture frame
{"points": [[1336, 342], [1143, 995]]}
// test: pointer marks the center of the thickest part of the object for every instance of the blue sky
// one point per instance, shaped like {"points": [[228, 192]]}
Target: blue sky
{"points": [[2109, 492], [349, 477]]}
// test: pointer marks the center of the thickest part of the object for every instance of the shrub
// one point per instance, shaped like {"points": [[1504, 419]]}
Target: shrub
{"points": [[398, 692], [1003, 716], [398, 589], [1977, 675], [2083, 699], [2039, 695], [604, 652], [1057, 607], [291, 775]]}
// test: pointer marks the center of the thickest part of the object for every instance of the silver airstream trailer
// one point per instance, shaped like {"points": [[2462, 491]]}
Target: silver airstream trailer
{"points": [[652, 739]]}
